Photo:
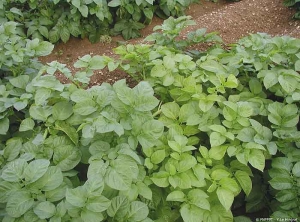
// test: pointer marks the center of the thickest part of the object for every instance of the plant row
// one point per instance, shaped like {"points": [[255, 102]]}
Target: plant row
{"points": [[57, 20], [202, 135]]}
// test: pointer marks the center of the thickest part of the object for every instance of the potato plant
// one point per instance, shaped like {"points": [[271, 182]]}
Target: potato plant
{"points": [[57, 20], [195, 140]]}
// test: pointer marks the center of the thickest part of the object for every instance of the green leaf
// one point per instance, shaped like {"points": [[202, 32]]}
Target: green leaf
{"points": [[286, 195], [160, 179], [81, 95], [77, 196], [217, 152], [114, 3], [216, 139], [281, 183], [76, 3], [26, 124], [4, 126], [52, 179], [198, 198], [84, 10], [145, 103], [85, 107], [176, 195], [122, 171], [270, 79], [148, 13], [255, 86], [158, 156], [44, 31], [67, 129], [44, 48], [35, 170], [20, 81], [44, 210], [225, 197], [19, 203], [245, 109], [282, 163], [191, 213], [218, 174], [62, 110], [41, 96], [289, 84], [64, 34], [98, 204], [297, 65], [14, 170], [144, 190], [90, 216], [119, 180], [205, 105], [119, 207], [257, 159], [40, 113], [231, 185], [296, 169], [12, 149], [66, 157], [138, 211], [213, 66], [170, 110], [186, 162], [124, 93], [159, 71], [244, 180]]}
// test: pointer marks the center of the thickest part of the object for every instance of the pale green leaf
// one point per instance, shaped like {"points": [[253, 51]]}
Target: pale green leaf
{"points": [[176, 195], [158, 156], [216, 139], [62, 110], [98, 204], [66, 157], [52, 179], [19, 203], [26, 124], [225, 197], [90, 216], [138, 211], [4, 126], [20, 81], [191, 213], [170, 110], [244, 181], [257, 159], [35, 170], [77, 196], [44, 210], [217, 152], [14, 170], [119, 207]]}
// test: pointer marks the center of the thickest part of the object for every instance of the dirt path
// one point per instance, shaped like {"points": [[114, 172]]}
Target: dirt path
{"points": [[238, 19], [232, 20]]}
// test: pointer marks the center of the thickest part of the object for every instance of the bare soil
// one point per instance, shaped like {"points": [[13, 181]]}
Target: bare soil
{"points": [[232, 20]]}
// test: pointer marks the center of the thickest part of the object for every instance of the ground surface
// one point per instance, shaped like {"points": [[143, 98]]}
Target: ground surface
{"points": [[232, 20]]}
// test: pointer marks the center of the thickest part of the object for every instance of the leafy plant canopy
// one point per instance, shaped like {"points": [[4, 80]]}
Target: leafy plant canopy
{"points": [[202, 135], [57, 20]]}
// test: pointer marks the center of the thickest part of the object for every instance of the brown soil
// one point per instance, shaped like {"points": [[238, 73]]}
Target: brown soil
{"points": [[232, 20]]}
